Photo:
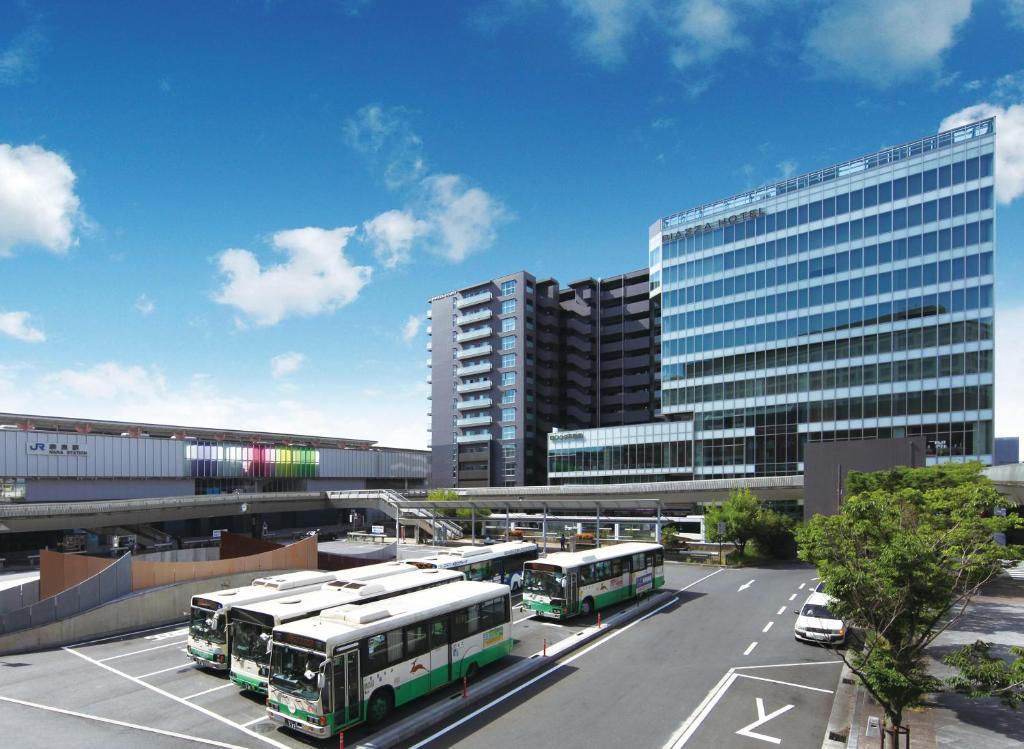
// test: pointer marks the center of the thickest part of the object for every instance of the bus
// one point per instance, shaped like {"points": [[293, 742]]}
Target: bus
{"points": [[209, 630], [565, 584], [252, 625], [354, 664], [500, 563]]}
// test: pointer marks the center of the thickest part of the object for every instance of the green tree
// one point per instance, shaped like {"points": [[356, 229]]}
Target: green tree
{"points": [[740, 515], [985, 675], [462, 513], [774, 534], [904, 556], [668, 536]]}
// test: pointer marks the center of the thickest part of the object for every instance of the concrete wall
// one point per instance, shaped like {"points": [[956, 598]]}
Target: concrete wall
{"points": [[63, 490], [150, 608], [827, 463]]}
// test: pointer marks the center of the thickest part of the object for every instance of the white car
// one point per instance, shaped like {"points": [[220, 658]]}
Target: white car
{"points": [[816, 623]]}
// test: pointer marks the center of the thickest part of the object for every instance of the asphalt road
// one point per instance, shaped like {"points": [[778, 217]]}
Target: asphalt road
{"points": [[634, 687], [689, 675]]}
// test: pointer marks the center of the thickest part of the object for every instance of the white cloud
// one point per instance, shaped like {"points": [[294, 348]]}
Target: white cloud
{"points": [[787, 167], [145, 305], [392, 234], [386, 138], [411, 328], [130, 392], [885, 40], [1015, 10], [286, 364], [317, 277], [38, 205], [16, 325], [606, 26], [704, 29], [1009, 365], [19, 60], [465, 218], [1009, 144]]}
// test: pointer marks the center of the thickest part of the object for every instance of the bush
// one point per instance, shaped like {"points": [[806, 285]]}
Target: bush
{"points": [[515, 535], [584, 536]]}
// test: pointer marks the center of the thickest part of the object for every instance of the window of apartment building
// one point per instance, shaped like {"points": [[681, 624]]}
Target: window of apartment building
{"points": [[508, 360], [508, 325], [508, 433], [508, 452], [508, 306], [508, 378], [509, 396], [508, 414], [508, 342], [508, 288]]}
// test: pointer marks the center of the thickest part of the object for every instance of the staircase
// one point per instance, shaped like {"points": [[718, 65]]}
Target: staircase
{"points": [[394, 505]]}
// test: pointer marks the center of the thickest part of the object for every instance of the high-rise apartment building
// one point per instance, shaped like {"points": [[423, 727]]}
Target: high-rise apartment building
{"points": [[854, 302], [514, 357]]}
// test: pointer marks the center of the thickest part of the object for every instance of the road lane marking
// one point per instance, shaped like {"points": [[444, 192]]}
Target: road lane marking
{"points": [[604, 640], [254, 722], [144, 650], [801, 586], [786, 683], [792, 596], [762, 718], [179, 667], [123, 724], [212, 689], [179, 700], [779, 612], [167, 635], [783, 665], [750, 648], [744, 586], [767, 626]]}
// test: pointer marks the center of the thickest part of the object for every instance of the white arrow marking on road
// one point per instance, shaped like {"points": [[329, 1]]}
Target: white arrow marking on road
{"points": [[761, 720], [744, 586]]}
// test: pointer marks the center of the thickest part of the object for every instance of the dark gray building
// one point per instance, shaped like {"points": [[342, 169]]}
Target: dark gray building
{"points": [[514, 357], [1007, 450]]}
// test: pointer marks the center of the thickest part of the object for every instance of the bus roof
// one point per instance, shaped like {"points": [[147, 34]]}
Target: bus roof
{"points": [[340, 593], [576, 558], [469, 554], [374, 571], [349, 623], [266, 588]]}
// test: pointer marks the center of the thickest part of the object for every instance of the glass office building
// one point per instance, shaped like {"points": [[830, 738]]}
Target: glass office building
{"points": [[657, 451], [851, 303]]}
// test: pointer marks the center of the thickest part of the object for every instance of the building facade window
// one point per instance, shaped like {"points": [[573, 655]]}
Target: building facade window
{"points": [[508, 325], [508, 378], [508, 306], [508, 433], [508, 414], [508, 342], [508, 288], [508, 360], [509, 396]]}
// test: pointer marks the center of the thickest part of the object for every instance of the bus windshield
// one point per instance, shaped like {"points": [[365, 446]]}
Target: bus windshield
{"points": [[542, 582], [295, 671], [205, 626], [250, 640]]}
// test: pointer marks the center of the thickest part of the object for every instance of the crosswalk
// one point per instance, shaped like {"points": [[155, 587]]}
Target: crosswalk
{"points": [[1017, 571]]}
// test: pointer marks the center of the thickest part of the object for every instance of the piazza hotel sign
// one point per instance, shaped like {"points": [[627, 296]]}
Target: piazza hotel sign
{"points": [[563, 436], [711, 226]]}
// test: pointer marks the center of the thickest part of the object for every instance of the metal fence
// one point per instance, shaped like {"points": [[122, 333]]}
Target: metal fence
{"points": [[113, 582], [19, 596]]}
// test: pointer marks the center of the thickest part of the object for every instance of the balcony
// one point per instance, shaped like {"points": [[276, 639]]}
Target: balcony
{"points": [[472, 387], [474, 334], [472, 317], [473, 369], [430, 346], [430, 330], [469, 353], [474, 421], [430, 313], [471, 403], [469, 301], [430, 362], [469, 438]]}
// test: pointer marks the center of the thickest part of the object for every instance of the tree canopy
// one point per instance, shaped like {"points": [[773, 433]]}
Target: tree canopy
{"points": [[746, 519], [907, 551]]}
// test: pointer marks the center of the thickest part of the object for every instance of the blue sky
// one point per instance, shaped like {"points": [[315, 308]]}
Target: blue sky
{"points": [[232, 213]]}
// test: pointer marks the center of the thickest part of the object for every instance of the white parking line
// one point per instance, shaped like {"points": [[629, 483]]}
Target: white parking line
{"points": [[750, 648], [125, 636], [767, 626], [783, 665], [172, 734], [792, 596], [779, 612], [179, 667], [801, 586], [179, 700], [254, 722], [144, 650], [212, 689], [786, 683], [607, 638]]}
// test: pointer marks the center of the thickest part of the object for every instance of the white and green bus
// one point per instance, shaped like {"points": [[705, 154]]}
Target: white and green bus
{"points": [[565, 584], [356, 663], [209, 631], [252, 625], [499, 563]]}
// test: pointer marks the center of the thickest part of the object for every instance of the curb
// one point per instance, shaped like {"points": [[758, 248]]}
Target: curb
{"points": [[840, 720], [416, 724]]}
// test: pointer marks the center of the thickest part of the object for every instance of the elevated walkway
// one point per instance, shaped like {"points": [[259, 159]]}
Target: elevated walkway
{"points": [[395, 506]]}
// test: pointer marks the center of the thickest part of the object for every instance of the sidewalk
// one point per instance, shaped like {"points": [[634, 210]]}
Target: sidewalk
{"points": [[951, 720]]}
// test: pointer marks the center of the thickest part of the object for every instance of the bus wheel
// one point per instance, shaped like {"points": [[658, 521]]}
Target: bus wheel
{"points": [[587, 607], [379, 706]]}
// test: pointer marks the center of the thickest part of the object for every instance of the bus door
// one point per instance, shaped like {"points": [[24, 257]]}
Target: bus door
{"points": [[440, 652], [347, 687]]}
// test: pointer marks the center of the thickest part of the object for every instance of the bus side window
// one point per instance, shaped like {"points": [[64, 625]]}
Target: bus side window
{"points": [[616, 567], [415, 640], [460, 624], [491, 613], [394, 646], [659, 557], [376, 652], [649, 559], [638, 562]]}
